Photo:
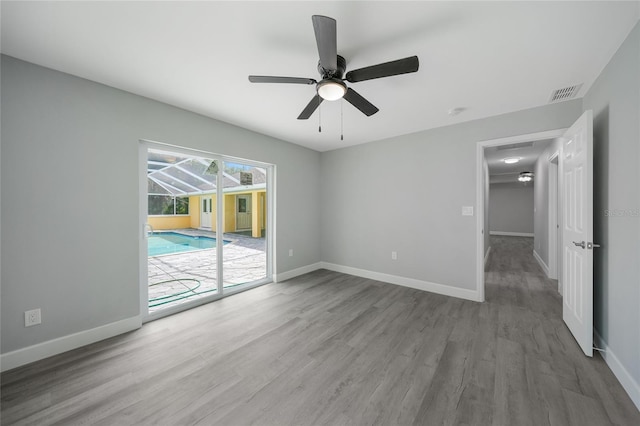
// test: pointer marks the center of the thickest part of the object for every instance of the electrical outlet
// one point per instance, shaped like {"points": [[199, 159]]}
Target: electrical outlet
{"points": [[290, 252], [394, 255], [32, 317]]}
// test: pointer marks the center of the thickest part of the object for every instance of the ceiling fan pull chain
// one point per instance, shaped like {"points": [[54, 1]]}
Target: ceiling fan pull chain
{"points": [[319, 116], [341, 120]]}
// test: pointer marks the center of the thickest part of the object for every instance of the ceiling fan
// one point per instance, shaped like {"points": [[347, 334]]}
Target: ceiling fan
{"points": [[332, 67]]}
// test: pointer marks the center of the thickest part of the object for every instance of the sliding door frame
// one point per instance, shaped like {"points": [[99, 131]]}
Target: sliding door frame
{"points": [[143, 148]]}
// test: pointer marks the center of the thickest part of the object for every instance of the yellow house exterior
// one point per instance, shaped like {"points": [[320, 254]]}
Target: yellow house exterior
{"points": [[258, 212]]}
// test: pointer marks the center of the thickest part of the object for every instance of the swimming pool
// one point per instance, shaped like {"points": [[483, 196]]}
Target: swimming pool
{"points": [[172, 242]]}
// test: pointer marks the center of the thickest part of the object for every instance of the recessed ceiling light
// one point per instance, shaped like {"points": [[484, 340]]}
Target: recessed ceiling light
{"points": [[511, 160]]}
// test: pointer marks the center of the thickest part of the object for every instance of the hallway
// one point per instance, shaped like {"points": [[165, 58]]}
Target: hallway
{"points": [[541, 366]]}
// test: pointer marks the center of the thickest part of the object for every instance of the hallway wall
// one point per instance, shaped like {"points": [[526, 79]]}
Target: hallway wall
{"points": [[511, 208], [615, 101]]}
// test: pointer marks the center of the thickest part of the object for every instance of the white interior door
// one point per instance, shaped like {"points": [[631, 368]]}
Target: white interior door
{"points": [[243, 212], [577, 231], [205, 212]]}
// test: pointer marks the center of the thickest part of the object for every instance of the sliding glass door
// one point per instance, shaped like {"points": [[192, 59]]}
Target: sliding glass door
{"points": [[245, 214], [206, 227]]}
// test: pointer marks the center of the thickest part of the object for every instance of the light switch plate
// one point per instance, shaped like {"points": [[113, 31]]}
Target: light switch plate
{"points": [[467, 210]]}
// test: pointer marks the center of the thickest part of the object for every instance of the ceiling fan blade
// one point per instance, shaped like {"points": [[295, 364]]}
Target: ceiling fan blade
{"points": [[271, 79], [310, 108], [387, 69], [326, 38], [359, 102]]}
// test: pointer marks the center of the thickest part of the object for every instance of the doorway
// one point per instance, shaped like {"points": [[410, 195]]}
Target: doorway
{"points": [[190, 253], [575, 175], [482, 195], [243, 212], [206, 212]]}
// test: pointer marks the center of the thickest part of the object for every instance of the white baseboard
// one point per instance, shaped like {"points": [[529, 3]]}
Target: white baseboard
{"points": [[626, 380], [486, 256], [543, 265], [511, 234], [296, 272], [443, 289], [57, 346]]}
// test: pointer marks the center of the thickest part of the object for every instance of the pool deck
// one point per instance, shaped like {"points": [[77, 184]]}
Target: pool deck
{"points": [[245, 261]]}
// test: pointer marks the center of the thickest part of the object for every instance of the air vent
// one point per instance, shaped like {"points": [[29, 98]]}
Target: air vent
{"points": [[565, 93], [515, 146]]}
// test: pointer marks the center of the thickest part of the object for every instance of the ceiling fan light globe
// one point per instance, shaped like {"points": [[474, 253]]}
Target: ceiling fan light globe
{"points": [[331, 90], [525, 177]]}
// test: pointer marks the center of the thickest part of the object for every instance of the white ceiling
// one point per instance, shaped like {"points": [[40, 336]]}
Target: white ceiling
{"points": [[487, 57], [527, 153]]}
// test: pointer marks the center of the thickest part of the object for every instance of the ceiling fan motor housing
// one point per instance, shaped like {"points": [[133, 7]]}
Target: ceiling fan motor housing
{"points": [[337, 74]]}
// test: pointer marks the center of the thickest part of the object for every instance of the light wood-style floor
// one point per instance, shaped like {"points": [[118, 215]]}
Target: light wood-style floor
{"points": [[328, 348]]}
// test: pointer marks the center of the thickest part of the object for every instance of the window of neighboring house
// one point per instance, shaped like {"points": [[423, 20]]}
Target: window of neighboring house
{"points": [[168, 205]]}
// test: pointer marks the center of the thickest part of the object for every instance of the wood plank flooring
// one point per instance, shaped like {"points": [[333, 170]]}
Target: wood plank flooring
{"points": [[332, 349]]}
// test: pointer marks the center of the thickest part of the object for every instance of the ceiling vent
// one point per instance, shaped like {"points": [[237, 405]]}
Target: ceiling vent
{"points": [[515, 146], [565, 93]]}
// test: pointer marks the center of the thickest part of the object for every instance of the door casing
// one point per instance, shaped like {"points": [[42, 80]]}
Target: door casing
{"points": [[480, 146]]}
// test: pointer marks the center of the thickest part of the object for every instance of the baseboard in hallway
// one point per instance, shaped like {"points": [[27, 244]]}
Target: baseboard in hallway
{"points": [[543, 265]]}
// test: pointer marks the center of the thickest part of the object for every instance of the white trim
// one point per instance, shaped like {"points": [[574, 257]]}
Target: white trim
{"points": [[480, 146], [480, 193], [443, 289], [548, 134], [626, 380], [486, 256], [62, 344], [512, 234], [553, 191], [277, 278], [543, 265], [143, 209]]}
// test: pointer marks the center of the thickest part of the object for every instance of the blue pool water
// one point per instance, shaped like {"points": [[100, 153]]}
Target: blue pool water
{"points": [[172, 242]]}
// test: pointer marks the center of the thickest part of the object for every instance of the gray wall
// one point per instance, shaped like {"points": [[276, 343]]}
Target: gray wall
{"points": [[511, 207], [615, 101], [70, 196], [541, 202], [392, 195]]}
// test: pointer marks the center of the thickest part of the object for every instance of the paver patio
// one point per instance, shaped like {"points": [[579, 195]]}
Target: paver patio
{"points": [[191, 275]]}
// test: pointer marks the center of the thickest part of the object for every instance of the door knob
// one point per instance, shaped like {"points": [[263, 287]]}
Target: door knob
{"points": [[580, 244]]}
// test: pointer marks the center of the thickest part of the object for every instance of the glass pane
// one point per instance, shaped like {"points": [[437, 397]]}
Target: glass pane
{"points": [[154, 188], [198, 167], [245, 256], [182, 260], [182, 205], [185, 179], [179, 174], [160, 204]]}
